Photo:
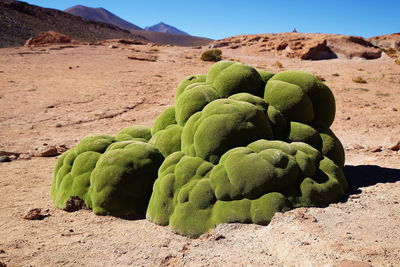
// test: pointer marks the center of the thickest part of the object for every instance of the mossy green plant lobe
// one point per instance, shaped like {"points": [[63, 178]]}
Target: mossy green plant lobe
{"points": [[222, 125], [134, 132], [230, 78], [301, 97], [123, 178], [74, 167], [248, 185], [238, 145], [110, 177]]}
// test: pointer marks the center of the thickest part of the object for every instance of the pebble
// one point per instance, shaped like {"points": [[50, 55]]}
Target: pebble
{"points": [[396, 147], [376, 149], [5, 159], [46, 151], [36, 214]]}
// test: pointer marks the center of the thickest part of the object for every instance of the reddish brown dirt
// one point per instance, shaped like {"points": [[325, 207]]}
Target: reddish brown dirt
{"points": [[54, 96]]}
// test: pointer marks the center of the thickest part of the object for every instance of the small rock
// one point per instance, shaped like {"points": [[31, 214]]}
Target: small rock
{"points": [[6, 153], [70, 68], [376, 149], [50, 106], [394, 109], [396, 147], [348, 118], [74, 204], [2, 264], [62, 148], [36, 214], [112, 46], [2, 251], [25, 156], [349, 263], [46, 151], [354, 147], [219, 237], [5, 159], [58, 125]]}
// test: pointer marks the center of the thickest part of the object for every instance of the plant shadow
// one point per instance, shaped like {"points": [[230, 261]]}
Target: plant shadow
{"points": [[367, 175]]}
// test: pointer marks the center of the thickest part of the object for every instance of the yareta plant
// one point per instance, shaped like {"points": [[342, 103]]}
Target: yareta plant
{"points": [[239, 145]]}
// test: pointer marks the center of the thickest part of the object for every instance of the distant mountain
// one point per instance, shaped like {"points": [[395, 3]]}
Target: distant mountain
{"points": [[101, 15], [162, 27], [160, 33], [20, 21], [173, 39]]}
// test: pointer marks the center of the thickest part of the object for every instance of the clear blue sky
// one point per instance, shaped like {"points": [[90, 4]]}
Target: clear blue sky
{"points": [[220, 19]]}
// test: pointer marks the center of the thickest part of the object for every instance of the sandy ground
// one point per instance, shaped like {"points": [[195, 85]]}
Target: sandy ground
{"points": [[56, 96]]}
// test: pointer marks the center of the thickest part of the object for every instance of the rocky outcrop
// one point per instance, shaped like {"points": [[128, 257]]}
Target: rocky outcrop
{"points": [[352, 46], [48, 38], [386, 41], [305, 46]]}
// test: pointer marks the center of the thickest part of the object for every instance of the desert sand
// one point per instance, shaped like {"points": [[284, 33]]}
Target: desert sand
{"points": [[54, 96]]}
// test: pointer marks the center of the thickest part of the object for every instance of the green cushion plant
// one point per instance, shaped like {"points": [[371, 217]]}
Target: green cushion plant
{"points": [[239, 145]]}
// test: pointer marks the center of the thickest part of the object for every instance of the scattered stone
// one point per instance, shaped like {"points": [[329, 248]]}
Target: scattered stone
{"points": [[2, 264], [211, 237], [70, 67], [376, 149], [62, 148], [350, 263], [396, 147], [5, 159], [50, 106], [58, 125], [348, 118], [219, 237], [112, 46], [282, 46], [25, 156], [144, 58], [6, 153], [2, 251], [46, 151], [74, 204], [354, 147], [394, 109], [36, 214]]}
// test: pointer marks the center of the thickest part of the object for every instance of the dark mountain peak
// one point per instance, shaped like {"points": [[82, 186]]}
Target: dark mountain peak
{"points": [[102, 15], [164, 27]]}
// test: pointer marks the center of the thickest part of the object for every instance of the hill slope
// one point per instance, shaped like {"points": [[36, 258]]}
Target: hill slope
{"points": [[173, 39], [101, 15], [20, 21], [162, 27]]}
